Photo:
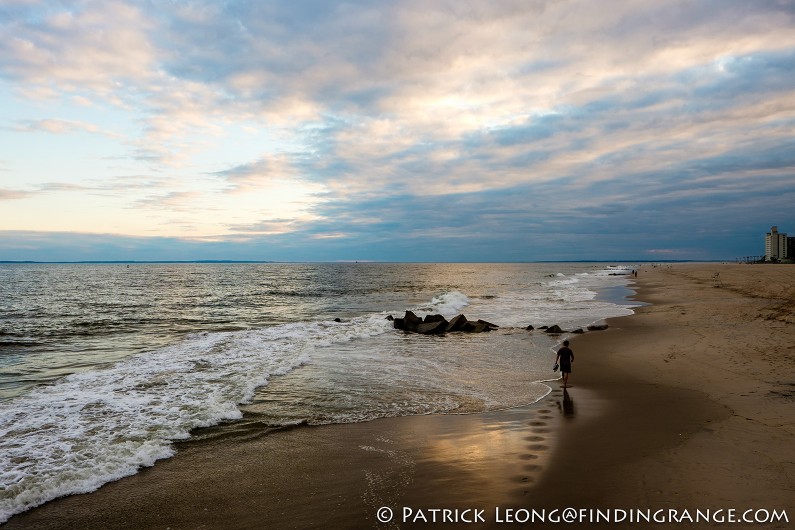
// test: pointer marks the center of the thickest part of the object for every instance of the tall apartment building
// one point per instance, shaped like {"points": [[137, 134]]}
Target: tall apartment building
{"points": [[775, 245]]}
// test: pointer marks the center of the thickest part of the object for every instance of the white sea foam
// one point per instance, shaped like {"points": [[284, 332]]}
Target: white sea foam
{"points": [[449, 303], [566, 300], [97, 426], [583, 286], [571, 289]]}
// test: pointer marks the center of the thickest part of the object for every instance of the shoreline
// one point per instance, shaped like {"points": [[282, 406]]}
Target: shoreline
{"points": [[706, 407], [643, 425]]}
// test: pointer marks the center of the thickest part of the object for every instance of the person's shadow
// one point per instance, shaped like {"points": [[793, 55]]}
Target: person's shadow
{"points": [[566, 405]]}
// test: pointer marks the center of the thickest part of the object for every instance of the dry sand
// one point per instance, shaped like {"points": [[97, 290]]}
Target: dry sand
{"points": [[687, 405]]}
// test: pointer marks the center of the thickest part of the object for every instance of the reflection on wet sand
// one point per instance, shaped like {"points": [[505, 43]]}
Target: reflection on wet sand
{"points": [[473, 449], [566, 405], [527, 434]]}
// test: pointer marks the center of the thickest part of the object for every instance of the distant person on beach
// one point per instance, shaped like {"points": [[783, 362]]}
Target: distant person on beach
{"points": [[565, 357]]}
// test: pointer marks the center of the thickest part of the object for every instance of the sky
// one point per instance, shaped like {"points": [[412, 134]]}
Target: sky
{"points": [[411, 130]]}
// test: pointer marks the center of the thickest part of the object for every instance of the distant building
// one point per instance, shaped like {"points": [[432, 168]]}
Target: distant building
{"points": [[776, 245], [791, 247]]}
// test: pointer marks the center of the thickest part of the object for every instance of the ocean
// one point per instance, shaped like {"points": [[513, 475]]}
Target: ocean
{"points": [[104, 367]]}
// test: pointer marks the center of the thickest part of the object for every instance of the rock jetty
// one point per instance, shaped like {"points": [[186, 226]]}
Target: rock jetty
{"points": [[437, 324]]}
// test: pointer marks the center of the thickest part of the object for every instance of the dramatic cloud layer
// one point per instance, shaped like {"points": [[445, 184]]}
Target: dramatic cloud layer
{"points": [[413, 130]]}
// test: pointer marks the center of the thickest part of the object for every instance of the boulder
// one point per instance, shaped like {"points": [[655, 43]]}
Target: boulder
{"points": [[530, 328], [554, 329], [434, 318], [432, 328], [390, 318], [544, 327], [597, 327], [578, 330], [476, 327], [399, 323], [488, 325], [412, 321], [457, 323]]}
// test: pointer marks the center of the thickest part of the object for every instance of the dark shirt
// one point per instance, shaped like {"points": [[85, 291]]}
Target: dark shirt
{"points": [[566, 355]]}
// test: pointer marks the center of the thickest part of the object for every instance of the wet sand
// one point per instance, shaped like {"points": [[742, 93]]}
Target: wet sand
{"points": [[687, 404]]}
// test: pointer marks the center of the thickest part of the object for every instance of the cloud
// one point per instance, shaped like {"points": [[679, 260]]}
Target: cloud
{"points": [[411, 72], [174, 201], [271, 227], [6, 194], [47, 187], [95, 45], [58, 126], [412, 122], [262, 172]]}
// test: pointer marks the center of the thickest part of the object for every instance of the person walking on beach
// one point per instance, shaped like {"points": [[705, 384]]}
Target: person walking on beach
{"points": [[565, 357]]}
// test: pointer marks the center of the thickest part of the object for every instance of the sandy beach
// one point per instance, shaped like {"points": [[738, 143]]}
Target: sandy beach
{"points": [[686, 405]]}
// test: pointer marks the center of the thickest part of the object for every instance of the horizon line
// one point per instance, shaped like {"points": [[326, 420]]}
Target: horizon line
{"points": [[346, 261]]}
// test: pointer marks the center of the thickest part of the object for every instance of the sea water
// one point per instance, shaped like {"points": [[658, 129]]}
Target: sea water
{"points": [[104, 366]]}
